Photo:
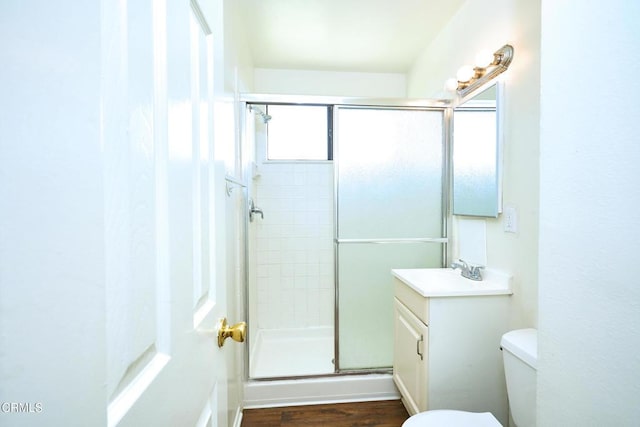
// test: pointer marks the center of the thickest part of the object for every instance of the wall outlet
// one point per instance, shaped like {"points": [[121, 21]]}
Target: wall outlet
{"points": [[510, 219]]}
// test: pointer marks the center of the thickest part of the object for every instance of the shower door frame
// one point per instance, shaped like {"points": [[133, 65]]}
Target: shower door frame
{"points": [[446, 106]]}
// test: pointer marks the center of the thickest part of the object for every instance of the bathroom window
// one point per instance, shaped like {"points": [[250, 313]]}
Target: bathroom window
{"points": [[299, 132]]}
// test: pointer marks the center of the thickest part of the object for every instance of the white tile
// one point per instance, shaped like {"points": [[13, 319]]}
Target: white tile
{"points": [[263, 271], [262, 244], [288, 283], [275, 244], [274, 270], [313, 282], [300, 218], [288, 270], [300, 258], [274, 285], [296, 238], [300, 282], [274, 257], [299, 179], [313, 269], [300, 270]]}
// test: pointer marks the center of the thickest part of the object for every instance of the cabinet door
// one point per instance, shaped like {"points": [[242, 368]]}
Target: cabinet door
{"points": [[410, 358]]}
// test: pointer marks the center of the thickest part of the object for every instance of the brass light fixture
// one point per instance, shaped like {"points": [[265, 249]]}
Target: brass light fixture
{"points": [[487, 67]]}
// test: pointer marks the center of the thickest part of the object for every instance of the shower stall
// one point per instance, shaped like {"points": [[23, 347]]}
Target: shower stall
{"points": [[323, 232]]}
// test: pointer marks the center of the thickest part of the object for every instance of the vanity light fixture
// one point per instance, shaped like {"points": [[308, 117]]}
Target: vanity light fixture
{"points": [[487, 67]]}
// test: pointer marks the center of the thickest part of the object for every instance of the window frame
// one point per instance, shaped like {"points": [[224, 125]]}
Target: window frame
{"points": [[329, 134]]}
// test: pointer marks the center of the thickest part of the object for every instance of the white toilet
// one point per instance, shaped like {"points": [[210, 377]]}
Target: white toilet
{"points": [[520, 353]]}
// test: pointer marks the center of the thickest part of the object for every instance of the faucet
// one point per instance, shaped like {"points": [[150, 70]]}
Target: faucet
{"points": [[253, 209], [469, 271]]}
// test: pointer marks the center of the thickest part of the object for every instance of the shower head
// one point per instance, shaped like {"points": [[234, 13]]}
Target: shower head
{"points": [[265, 117]]}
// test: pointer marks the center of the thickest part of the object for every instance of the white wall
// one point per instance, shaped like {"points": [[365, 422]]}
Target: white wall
{"points": [[233, 73], [330, 83], [589, 326], [489, 25], [234, 67], [53, 281]]}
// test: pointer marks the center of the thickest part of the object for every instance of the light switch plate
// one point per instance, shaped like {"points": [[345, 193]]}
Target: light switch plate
{"points": [[510, 219]]}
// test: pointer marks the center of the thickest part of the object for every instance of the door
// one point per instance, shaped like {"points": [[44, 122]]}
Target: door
{"points": [[291, 269], [109, 288], [390, 214], [410, 358]]}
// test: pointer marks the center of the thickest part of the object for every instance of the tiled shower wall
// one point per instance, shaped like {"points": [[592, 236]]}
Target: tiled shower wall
{"points": [[294, 257]]}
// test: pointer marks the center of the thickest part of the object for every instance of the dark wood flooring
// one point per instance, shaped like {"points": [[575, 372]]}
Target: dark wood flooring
{"points": [[387, 413]]}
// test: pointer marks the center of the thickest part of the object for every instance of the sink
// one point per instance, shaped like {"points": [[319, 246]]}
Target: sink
{"points": [[446, 282]]}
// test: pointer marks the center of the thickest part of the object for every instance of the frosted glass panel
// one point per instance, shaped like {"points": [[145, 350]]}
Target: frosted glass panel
{"points": [[389, 169], [389, 173], [366, 298]]}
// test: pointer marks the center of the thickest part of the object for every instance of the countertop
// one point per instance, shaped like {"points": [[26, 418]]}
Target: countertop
{"points": [[446, 282]]}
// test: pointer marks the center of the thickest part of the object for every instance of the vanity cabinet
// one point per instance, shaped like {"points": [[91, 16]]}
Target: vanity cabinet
{"points": [[447, 348], [410, 358]]}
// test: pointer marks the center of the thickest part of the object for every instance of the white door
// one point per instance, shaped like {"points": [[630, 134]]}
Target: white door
{"points": [[109, 287]]}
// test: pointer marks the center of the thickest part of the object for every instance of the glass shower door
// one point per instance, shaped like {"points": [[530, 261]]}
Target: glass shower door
{"points": [[389, 181]]}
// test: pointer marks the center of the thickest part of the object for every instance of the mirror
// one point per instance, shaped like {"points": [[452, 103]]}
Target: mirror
{"points": [[476, 155]]}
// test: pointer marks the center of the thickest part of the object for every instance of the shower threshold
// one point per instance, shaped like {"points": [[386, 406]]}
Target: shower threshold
{"points": [[320, 390]]}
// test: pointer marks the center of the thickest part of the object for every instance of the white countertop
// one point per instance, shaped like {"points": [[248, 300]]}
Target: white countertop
{"points": [[446, 282]]}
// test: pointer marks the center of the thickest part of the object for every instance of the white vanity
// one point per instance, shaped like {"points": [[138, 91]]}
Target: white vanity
{"points": [[447, 340]]}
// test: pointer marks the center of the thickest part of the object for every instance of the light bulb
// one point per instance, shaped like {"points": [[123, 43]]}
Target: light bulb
{"points": [[451, 85], [484, 58], [465, 73]]}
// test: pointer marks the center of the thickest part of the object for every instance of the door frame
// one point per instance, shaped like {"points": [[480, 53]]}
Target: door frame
{"points": [[446, 106]]}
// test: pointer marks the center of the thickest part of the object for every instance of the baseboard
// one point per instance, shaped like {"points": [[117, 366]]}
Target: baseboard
{"points": [[237, 421], [348, 388]]}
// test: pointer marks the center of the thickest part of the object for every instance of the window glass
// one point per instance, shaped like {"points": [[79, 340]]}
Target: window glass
{"points": [[298, 132]]}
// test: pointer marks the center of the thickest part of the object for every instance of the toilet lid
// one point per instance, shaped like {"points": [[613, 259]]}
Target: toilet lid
{"points": [[450, 418]]}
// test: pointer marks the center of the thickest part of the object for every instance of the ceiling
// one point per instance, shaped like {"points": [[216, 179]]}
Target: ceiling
{"points": [[343, 35]]}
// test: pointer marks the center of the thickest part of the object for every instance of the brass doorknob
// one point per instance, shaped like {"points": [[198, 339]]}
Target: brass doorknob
{"points": [[236, 332]]}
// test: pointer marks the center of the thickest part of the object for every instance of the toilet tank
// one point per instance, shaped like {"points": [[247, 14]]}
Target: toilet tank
{"points": [[520, 356]]}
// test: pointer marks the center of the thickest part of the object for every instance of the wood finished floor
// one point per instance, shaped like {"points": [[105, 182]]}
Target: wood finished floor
{"points": [[388, 413]]}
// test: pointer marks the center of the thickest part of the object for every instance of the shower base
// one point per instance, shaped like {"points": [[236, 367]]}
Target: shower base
{"points": [[292, 353], [311, 391], [302, 353]]}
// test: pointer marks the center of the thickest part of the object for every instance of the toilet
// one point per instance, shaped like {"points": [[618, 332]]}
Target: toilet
{"points": [[451, 418], [519, 355]]}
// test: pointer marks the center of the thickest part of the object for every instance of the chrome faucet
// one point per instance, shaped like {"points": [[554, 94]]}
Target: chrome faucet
{"points": [[254, 210], [469, 271]]}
